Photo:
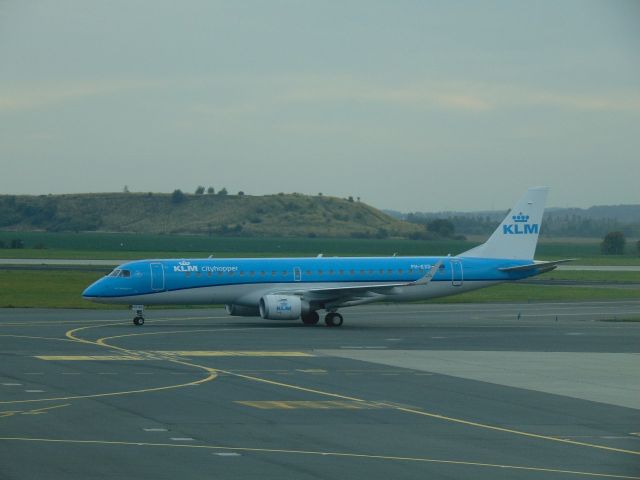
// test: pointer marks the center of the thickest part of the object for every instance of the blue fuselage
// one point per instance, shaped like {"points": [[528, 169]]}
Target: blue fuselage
{"points": [[244, 281]]}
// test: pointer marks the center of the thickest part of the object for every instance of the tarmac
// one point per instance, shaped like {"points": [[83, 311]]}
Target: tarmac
{"points": [[482, 391]]}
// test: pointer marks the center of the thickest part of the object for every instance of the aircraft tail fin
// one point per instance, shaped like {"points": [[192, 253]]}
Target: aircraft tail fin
{"points": [[517, 236]]}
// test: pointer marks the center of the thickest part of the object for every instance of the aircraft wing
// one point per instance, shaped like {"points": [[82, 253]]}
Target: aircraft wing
{"points": [[542, 266], [358, 292]]}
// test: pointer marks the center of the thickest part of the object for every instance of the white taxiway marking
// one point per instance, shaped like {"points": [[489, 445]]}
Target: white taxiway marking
{"points": [[227, 454], [11, 384], [182, 439], [155, 429], [34, 391]]}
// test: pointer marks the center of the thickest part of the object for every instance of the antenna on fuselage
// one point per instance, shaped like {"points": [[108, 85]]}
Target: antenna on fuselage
{"points": [[320, 255]]}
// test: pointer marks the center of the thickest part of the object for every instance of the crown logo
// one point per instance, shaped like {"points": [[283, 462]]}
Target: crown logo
{"points": [[520, 218], [184, 263]]}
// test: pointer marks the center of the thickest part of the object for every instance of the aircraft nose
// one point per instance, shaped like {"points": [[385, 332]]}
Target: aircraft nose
{"points": [[92, 291]]}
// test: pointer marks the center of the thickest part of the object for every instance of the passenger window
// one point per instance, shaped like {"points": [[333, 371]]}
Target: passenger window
{"points": [[252, 273], [352, 272], [361, 272], [231, 273], [341, 272], [198, 274], [262, 273], [400, 270], [187, 274], [381, 271], [273, 273], [330, 272], [284, 273], [370, 272], [319, 272], [242, 273], [208, 274], [220, 273]]}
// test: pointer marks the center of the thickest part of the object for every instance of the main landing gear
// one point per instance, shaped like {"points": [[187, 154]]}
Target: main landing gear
{"points": [[331, 319], [138, 310], [311, 318]]}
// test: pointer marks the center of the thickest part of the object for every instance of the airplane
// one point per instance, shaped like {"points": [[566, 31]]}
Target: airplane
{"points": [[298, 288]]}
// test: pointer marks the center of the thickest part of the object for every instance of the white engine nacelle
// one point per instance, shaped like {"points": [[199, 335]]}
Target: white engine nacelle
{"points": [[242, 311], [280, 307]]}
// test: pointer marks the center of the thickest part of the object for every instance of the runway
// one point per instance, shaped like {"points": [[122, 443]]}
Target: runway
{"points": [[513, 391]]}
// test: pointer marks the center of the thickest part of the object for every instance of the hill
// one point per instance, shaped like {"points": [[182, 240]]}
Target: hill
{"points": [[237, 215]]}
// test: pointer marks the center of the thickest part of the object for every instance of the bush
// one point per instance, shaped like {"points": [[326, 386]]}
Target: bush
{"points": [[199, 190], [613, 243], [177, 196]]}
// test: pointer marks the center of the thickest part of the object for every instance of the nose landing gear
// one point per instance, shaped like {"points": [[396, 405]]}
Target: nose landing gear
{"points": [[138, 310]]}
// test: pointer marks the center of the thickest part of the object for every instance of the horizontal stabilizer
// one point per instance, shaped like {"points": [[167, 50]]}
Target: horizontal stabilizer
{"points": [[541, 266]]}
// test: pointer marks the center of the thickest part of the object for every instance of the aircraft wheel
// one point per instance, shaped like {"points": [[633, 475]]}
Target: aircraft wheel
{"points": [[138, 321], [333, 319], [311, 318]]}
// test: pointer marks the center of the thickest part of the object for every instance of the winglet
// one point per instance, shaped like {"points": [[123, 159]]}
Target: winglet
{"points": [[429, 275]]}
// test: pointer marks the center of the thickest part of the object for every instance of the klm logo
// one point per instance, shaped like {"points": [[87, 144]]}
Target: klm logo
{"points": [[520, 226], [283, 306], [185, 266]]}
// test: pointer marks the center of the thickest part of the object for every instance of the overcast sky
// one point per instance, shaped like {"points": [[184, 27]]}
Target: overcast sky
{"points": [[411, 105]]}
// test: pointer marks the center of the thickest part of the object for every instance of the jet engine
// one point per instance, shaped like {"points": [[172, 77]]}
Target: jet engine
{"points": [[280, 307], [242, 311]]}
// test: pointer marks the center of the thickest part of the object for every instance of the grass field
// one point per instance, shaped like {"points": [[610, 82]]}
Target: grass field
{"points": [[62, 289], [130, 246]]}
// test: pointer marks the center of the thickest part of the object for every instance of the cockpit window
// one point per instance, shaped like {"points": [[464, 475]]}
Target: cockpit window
{"points": [[120, 273]]}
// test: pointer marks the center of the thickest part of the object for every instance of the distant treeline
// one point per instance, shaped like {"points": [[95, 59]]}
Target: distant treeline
{"points": [[594, 222]]}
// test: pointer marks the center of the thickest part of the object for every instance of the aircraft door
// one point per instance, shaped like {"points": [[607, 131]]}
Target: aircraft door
{"points": [[457, 273], [297, 274], [157, 276]]}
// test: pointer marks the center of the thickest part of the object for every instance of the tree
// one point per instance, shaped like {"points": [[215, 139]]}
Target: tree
{"points": [[199, 190], [240, 193], [442, 227], [222, 191], [638, 247], [125, 189], [210, 191], [350, 199], [613, 243], [17, 243], [177, 196]]}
